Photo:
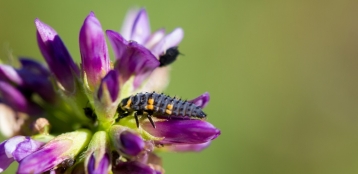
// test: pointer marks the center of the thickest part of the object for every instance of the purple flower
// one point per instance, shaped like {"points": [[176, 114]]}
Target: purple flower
{"points": [[132, 59], [182, 131], [16, 149], [57, 57], [100, 167], [73, 119], [94, 52], [136, 28]]}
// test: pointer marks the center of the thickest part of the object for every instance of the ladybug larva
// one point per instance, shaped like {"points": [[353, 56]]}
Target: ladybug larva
{"points": [[154, 104]]}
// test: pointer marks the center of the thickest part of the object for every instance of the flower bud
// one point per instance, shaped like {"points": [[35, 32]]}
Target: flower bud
{"points": [[94, 51]]}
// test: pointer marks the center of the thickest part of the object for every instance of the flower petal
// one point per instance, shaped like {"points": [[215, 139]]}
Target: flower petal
{"points": [[132, 59], [158, 80], [34, 67], [141, 27], [182, 131], [187, 147], [57, 56], [127, 25], [202, 100], [94, 51], [155, 38], [20, 147], [16, 99], [45, 159], [9, 74], [101, 167], [111, 80], [133, 167], [37, 83], [62, 149], [16, 148], [4, 158], [170, 40], [130, 143]]}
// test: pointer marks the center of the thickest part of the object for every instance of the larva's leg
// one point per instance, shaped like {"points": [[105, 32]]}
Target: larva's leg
{"points": [[149, 116]]}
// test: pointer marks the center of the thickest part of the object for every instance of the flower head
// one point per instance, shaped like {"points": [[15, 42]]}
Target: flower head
{"points": [[70, 117]]}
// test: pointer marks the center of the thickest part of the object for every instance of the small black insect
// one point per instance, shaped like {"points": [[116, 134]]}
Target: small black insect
{"points": [[169, 57], [154, 104]]}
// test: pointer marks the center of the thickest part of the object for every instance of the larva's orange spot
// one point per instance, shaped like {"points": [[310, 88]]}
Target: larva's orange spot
{"points": [[169, 112], [151, 101]]}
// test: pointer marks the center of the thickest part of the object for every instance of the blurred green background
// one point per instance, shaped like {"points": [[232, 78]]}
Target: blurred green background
{"points": [[282, 75]]}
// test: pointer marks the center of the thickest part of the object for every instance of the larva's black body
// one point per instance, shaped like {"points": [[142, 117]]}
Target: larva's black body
{"points": [[155, 104]]}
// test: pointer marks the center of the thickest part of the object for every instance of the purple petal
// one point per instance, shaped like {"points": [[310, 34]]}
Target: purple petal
{"points": [[4, 158], [182, 131], [155, 38], [34, 67], [202, 100], [37, 83], [46, 158], [94, 51], [100, 167], [133, 167], [16, 99], [128, 22], [170, 40], [132, 59], [20, 147], [141, 27], [9, 74], [187, 147], [111, 80], [130, 143], [57, 56], [16, 148]]}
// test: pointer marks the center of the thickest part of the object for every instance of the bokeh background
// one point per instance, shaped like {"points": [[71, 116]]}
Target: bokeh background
{"points": [[282, 75]]}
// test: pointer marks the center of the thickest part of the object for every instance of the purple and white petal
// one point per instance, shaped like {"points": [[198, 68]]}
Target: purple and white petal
{"points": [[182, 131], [16, 148], [187, 147], [133, 167], [100, 166], [126, 30], [9, 74], [111, 81], [132, 59], [202, 100], [94, 51], [5, 159], [141, 27], [14, 98], [170, 40], [45, 159], [57, 56], [155, 38], [20, 147]]}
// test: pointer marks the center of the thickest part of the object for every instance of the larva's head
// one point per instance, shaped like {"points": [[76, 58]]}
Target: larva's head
{"points": [[124, 105], [201, 114]]}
